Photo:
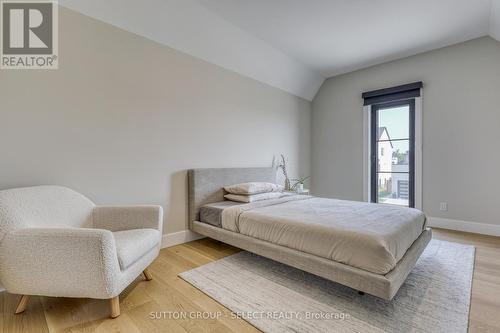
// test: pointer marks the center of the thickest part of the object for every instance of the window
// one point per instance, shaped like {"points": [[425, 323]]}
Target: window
{"points": [[392, 173], [393, 155]]}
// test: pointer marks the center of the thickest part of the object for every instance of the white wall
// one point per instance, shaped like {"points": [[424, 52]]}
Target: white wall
{"points": [[495, 19], [461, 129], [124, 117]]}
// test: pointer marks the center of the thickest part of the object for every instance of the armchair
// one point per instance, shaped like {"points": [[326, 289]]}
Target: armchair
{"points": [[56, 242]]}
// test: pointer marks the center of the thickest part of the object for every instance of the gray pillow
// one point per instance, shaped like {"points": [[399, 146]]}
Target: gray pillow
{"points": [[253, 197], [253, 188]]}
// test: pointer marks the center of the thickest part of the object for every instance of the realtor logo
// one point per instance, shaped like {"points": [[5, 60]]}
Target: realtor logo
{"points": [[29, 34]]}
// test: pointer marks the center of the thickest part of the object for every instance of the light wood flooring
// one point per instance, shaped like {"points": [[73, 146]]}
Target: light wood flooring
{"points": [[168, 293]]}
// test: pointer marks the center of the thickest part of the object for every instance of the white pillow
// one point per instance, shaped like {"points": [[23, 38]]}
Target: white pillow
{"points": [[253, 188], [253, 197]]}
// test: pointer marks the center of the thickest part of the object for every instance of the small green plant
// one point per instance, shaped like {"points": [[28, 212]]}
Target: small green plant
{"points": [[299, 181]]}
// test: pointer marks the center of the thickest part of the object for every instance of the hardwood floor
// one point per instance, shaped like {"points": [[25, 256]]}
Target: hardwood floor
{"points": [[485, 301], [167, 293]]}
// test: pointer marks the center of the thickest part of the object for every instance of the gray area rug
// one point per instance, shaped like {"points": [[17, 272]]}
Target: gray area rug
{"points": [[278, 298]]}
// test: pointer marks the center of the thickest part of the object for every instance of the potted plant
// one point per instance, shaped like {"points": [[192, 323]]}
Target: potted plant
{"points": [[298, 186]]}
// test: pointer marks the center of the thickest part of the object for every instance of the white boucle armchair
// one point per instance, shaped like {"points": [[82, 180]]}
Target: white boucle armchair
{"points": [[56, 242]]}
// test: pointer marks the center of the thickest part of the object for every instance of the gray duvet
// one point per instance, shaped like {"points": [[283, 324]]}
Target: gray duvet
{"points": [[212, 213], [372, 237]]}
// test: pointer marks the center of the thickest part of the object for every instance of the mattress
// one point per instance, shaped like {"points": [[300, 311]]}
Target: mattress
{"points": [[212, 213], [372, 237]]}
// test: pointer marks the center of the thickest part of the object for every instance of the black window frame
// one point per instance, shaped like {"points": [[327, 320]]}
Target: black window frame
{"points": [[374, 145]]}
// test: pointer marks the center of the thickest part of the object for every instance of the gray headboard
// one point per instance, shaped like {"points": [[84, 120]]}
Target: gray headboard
{"points": [[206, 185]]}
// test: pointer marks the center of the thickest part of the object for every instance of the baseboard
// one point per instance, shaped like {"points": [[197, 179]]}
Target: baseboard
{"points": [[467, 226], [179, 237]]}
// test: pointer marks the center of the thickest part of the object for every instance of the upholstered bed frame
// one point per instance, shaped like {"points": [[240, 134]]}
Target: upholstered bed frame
{"points": [[206, 186]]}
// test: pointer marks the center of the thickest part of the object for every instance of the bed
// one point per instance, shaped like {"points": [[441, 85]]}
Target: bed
{"points": [[370, 248]]}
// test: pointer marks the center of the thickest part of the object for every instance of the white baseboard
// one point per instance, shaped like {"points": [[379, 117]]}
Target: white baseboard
{"points": [[176, 238], [467, 226], [185, 236]]}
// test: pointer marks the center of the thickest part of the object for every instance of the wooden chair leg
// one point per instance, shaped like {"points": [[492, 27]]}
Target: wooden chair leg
{"points": [[147, 275], [115, 306], [23, 303]]}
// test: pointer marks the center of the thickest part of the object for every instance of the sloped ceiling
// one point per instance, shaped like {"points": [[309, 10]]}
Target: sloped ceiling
{"points": [[294, 44], [191, 28]]}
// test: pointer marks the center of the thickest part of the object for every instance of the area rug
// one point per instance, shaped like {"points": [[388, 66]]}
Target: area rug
{"points": [[278, 298]]}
